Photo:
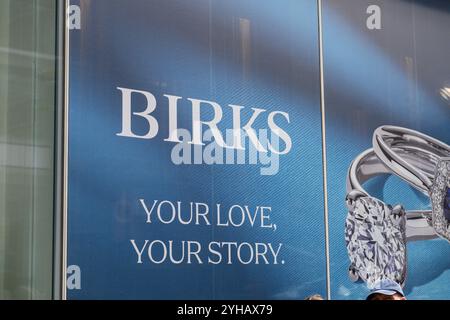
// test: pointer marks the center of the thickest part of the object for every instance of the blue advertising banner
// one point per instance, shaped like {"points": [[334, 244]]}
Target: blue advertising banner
{"points": [[385, 64], [195, 164], [195, 159]]}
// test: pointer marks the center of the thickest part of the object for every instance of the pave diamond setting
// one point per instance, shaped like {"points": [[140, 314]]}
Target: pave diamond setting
{"points": [[440, 199], [447, 205], [375, 235]]}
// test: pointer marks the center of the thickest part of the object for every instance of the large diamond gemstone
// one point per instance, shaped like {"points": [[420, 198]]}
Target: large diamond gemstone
{"points": [[376, 241], [440, 198]]}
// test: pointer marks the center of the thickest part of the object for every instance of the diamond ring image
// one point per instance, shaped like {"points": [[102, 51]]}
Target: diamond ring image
{"points": [[431, 177], [375, 232]]}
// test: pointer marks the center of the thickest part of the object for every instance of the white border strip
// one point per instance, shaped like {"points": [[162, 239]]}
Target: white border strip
{"points": [[324, 151]]}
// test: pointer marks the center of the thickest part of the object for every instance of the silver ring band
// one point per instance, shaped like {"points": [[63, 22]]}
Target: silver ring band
{"points": [[366, 166], [387, 140]]}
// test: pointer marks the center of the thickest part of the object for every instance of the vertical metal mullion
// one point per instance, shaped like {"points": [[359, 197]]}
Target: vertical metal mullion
{"points": [[324, 150], [59, 223]]}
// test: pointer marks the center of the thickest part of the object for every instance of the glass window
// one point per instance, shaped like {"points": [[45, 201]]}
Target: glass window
{"points": [[27, 108]]}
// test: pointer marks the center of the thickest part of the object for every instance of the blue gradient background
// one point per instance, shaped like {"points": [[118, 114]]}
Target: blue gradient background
{"points": [[192, 49], [388, 76]]}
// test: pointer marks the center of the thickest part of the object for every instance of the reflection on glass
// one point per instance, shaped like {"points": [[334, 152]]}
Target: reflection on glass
{"points": [[27, 89]]}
